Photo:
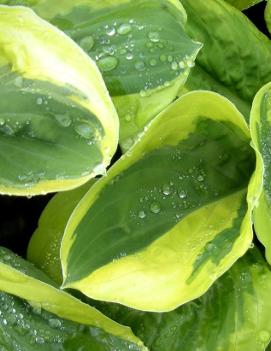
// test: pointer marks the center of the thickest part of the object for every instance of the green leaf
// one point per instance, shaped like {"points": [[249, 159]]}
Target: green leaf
{"points": [[260, 132], [243, 4], [228, 63], [234, 315], [140, 235], [63, 129], [34, 314], [44, 247], [141, 48]]}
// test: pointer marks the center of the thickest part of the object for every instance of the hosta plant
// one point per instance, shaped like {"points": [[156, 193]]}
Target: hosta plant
{"points": [[166, 246]]}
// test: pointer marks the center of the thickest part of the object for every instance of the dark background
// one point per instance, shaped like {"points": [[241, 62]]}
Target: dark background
{"points": [[19, 216]]}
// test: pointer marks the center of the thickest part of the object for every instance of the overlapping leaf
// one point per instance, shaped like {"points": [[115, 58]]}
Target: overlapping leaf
{"points": [[260, 132], [140, 47], [44, 247], [228, 62], [35, 314], [160, 228], [58, 126], [234, 315]]}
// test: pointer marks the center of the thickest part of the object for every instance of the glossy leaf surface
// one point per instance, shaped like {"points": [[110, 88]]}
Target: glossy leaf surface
{"points": [[228, 62], [63, 128], [38, 315], [141, 48], [237, 307], [149, 214]]}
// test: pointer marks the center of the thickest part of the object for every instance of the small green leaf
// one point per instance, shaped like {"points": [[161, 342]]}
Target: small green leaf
{"points": [[234, 315], [35, 314], [228, 62], [140, 235], [63, 128], [141, 48]]}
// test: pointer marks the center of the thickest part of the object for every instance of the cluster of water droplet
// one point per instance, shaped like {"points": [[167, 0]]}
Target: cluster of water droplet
{"points": [[22, 324], [129, 46], [47, 108]]}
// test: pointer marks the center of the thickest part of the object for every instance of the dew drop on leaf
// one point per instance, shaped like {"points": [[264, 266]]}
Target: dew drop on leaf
{"points": [[200, 178], [111, 31], [182, 194], [39, 101], [174, 66], [141, 214], [153, 62], [84, 130], [154, 37], [124, 29], [87, 43], [18, 82], [166, 189], [107, 63], [129, 56], [64, 120], [140, 66], [163, 58], [155, 207]]}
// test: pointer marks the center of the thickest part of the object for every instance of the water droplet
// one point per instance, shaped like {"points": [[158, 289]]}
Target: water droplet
{"points": [[166, 189], [124, 29], [181, 64], [18, 82], [64, 120], [182, 194], [2, 121], [110, 31], [154, 37], [123, 51], [129, 56], [99, 169], [264, 335], [174, 66], [39, 101], [170, 58], [128, 117], [149, 45], [251, 246], [190, 63], [200, 178], [84, 130], [209, 247], [39, 340], [155, 207], [140, 66], [55, 323], [107, 63], [153, 62], [87, 43], [127, 143], [141, 214], [163, 58]]}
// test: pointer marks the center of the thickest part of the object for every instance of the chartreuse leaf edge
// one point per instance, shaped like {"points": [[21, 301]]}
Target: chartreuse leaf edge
{"points": [[21, 279], [63, 129], [176, 174]]}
